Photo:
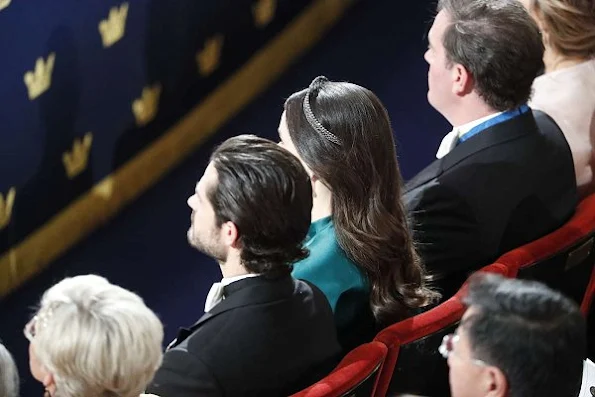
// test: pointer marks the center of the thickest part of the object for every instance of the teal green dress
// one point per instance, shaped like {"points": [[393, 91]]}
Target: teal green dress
{"points": [[339, 278]]}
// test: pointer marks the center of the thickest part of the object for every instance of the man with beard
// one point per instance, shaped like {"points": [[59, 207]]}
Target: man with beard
{"points": [[263, 333]]}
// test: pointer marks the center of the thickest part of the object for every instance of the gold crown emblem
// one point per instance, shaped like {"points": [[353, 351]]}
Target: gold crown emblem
{"points": [[263, 12], [4, 4], [39, 80], [6, 207], [75, 161], [208, 58], [112, 29], [145, 107]]}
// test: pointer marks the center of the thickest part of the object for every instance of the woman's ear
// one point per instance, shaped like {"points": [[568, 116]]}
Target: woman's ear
{"points": [[543, 29], [48, 380], [545, 37], [49, 383]]}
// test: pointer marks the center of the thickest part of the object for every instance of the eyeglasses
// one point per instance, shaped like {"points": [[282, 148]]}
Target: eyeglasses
{"points": [[29, 330], [447, 348]]}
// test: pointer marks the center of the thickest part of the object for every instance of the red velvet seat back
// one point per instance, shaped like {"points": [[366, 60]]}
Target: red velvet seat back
{"points": [[588, 308], [564, 258], [413, 364], [589, 295], [355, 376]]}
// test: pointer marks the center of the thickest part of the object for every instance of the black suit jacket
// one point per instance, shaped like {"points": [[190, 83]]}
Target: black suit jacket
{"points": [[266, 338], [502, 188]]}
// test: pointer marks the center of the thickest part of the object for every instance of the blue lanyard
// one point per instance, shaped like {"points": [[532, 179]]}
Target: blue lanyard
{"points": [[494, 120]]}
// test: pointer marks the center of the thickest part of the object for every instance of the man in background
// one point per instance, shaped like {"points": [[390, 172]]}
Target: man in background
{"points": [[517, 338]]}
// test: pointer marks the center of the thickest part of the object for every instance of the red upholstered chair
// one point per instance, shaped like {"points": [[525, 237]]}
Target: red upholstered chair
{"points": [[564, 258], [413, 364], [588, 309], [355, 376], [589, 294]]}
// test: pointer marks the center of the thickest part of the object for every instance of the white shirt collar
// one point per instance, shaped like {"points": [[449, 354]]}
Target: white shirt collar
{"points": [[228, 280], [465, 128], [588, 379], [450, 140], [215, 295]]}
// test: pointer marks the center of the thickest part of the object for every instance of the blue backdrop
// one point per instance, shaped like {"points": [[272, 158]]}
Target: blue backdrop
{"points": [[94, 76], [379, 44]]}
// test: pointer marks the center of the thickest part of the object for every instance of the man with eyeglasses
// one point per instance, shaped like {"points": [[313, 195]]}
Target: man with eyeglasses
{"points": [[517, 338]]}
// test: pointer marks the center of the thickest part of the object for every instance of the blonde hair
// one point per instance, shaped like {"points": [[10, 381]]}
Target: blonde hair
{"points": [[9, 377], [97, 339], [570, 25]]}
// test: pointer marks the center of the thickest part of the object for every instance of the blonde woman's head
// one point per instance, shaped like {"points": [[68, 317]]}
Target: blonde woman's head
{"points": [[568, 26], [92, 338]]}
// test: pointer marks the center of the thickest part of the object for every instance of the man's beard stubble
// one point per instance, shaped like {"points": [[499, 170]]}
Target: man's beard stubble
{"points": [[209, 246]]}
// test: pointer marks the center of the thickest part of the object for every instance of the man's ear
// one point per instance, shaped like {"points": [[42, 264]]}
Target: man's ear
{"points": [[497, 385], [229, 234], [462, 80]]}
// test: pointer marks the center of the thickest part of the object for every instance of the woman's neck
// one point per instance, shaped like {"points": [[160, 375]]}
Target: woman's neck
{"points": [[554, 61], [322, 202]]}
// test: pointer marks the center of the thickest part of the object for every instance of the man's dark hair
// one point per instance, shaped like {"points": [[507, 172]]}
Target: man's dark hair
{"points": [[533, 334], [499, 44], [265, 191]]}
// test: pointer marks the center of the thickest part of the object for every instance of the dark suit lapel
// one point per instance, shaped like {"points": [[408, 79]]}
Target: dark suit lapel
{"points": [[427, 174], [247, 292], [492, 136]]}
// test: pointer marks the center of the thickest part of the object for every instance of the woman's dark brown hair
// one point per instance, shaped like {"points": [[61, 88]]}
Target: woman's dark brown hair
{"points": [[343, 134]]}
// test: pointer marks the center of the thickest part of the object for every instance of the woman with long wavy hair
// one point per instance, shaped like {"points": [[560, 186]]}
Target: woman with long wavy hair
{"points": [[361, 251]]}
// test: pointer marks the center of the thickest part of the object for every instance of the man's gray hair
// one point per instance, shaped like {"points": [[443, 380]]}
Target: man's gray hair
{"points": [[9, 376]]}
